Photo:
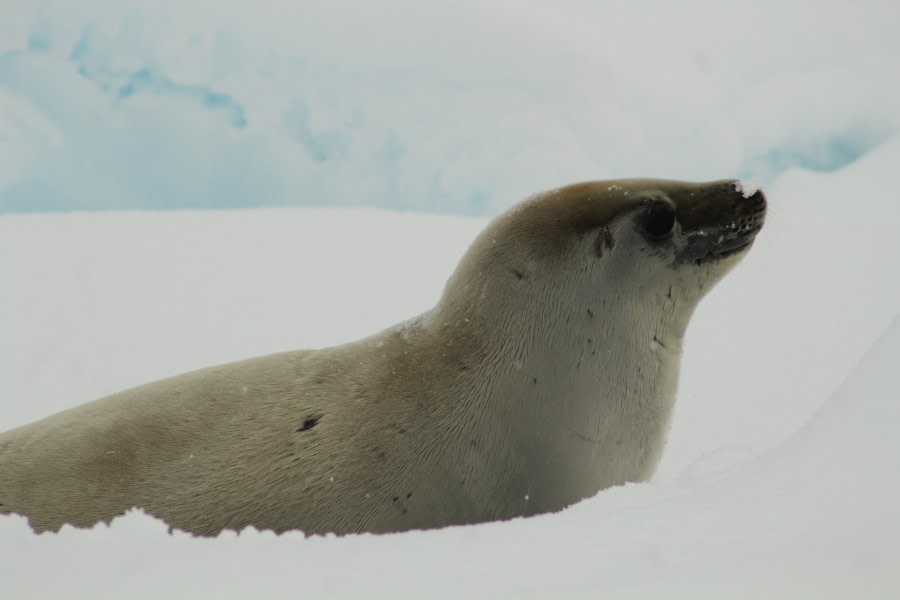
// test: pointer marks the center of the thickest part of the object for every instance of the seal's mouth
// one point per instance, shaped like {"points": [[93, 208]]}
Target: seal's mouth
{"points": [[729, 242], [715, 243], [720, 236]]}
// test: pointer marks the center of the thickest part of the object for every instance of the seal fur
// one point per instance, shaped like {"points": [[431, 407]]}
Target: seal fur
{"points": [[545, 373]]}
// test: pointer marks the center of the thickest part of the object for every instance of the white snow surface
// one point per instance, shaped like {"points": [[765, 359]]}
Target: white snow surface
{"points": [[780, 478]]}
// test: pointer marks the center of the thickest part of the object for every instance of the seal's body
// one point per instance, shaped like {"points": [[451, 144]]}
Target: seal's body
{"points": [[546, 372]]}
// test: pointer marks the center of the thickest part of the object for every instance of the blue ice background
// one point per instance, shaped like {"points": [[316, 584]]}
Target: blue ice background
{"points": [[450, 107]]}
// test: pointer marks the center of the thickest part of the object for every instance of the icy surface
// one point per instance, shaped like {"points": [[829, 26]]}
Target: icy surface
{"points": [[455, 107], [780, 478]]}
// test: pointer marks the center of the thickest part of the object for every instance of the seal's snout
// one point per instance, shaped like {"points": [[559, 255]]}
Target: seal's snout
{"points": [[751, 211], [723, 222], [751, 206], [746, 206], [751, 198], [736, 235]]}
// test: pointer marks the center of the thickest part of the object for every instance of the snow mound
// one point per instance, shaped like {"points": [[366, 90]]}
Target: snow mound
{"points": [[462, 107], [814, 518], [763, 490], [452, 107]]}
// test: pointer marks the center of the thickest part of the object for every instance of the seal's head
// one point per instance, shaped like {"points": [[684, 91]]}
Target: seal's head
{"points": [[577, 300], [622, 238]]}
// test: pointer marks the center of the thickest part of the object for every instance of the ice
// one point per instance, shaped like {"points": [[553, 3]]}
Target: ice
{"points": [[779, 478], [449, 107]]}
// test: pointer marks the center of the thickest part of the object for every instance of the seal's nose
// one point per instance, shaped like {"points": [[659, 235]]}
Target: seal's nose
{"points": [[751, 191], [721, 222]]}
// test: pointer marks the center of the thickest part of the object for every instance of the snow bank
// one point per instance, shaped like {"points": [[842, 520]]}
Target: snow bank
{"points": [[452, 107], [765, 488], [110, 300], [814, 518]]}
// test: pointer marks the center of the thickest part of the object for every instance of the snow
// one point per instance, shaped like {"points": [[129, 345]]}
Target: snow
{"points": [[748, 187], [780, 476], [453, 107]]}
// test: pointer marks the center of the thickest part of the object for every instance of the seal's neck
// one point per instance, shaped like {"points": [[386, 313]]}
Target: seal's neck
{"points": [[585, 384]]}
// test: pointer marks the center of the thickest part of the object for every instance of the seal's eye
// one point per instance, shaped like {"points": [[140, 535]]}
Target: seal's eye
{"points": [[657, 221]]}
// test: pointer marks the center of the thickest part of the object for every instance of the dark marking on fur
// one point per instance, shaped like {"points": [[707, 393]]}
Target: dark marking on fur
{"points": [[397, 428], [590, 313], [584, 437], [603, 242], [519, 274], [396, 500], [657, 340], [309, 423]]}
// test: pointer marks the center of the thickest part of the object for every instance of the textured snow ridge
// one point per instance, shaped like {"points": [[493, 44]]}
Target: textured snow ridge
{"points": [[454, 107]]}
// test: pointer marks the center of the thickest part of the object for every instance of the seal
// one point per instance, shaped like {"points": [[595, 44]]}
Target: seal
{"points": [[545, 373]]}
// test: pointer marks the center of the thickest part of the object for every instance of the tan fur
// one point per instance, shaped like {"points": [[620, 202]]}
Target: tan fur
{"points": [[546, 372]]}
